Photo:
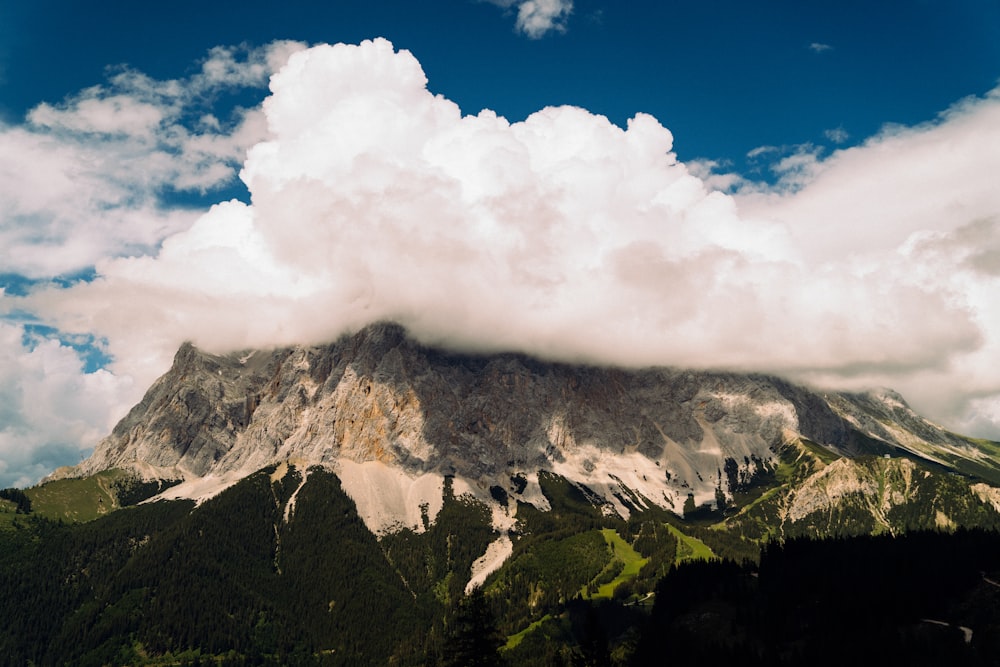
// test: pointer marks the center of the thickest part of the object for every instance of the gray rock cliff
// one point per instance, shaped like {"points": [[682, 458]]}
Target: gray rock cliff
{"points": [[388, 411]]}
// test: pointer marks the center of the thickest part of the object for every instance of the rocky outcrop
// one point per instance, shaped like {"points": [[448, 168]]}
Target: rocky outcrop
{"points": [[379, 401]]}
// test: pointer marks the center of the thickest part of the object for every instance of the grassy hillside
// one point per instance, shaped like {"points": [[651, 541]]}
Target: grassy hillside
{"points": [[76, 499], [624, 566], [8, 512], [690, 548]]}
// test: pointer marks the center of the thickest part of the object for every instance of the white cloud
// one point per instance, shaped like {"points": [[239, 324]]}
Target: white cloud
{"points": [[870, 198], [837, 135], [228, 66], [793, 165], [798, 167], [715, 175], [64, 204], [102, 114], [568, 237], [755, 153], [80, 181], [819, 47], [919, 204], [51, 412], [536, 18]]}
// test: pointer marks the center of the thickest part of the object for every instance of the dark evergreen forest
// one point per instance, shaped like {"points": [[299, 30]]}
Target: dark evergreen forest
{"points": [[233, 582]]}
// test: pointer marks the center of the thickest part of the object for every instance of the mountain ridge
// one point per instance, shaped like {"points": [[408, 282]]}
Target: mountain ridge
{"points": [[375, 473], [393, 418]]}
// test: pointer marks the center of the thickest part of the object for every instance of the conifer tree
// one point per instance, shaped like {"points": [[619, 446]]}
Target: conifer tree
{"points": [[473, 639]]}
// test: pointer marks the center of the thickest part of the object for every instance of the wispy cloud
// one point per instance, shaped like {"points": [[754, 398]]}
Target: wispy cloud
{"points": [[837, 135], [81, 179], [536, 18], [755, 153], [819, 47], [794, 165]]}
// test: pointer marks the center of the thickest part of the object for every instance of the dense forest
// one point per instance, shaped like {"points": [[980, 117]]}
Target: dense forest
{"points": [[244, 579], [925, 598]]}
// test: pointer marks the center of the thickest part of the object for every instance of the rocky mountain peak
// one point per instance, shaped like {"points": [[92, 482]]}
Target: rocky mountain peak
{"points": [[393, 418]]}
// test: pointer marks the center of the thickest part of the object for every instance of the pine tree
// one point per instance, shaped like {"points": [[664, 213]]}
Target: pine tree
{"points": [[473, 639]]}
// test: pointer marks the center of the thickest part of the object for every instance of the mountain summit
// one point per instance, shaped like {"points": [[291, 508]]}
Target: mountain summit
{"points": [[537, 505], [393, 419]]}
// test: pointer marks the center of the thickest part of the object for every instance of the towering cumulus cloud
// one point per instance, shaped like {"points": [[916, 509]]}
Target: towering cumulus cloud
{"points": [[568, 237]]}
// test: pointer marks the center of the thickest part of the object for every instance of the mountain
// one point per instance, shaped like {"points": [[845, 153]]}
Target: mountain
{"points": [[393, 418], [350, 498]]}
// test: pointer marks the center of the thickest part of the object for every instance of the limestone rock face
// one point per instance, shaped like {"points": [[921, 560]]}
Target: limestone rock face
{"points": [[379, 402], [880, 485], [189, 419]]}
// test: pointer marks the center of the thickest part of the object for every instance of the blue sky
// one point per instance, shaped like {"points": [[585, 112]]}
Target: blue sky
{"points": [[799, 188], [725, 77]]}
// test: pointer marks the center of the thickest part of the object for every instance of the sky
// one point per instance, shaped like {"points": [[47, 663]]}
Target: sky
{"points": [[807, 189]]}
